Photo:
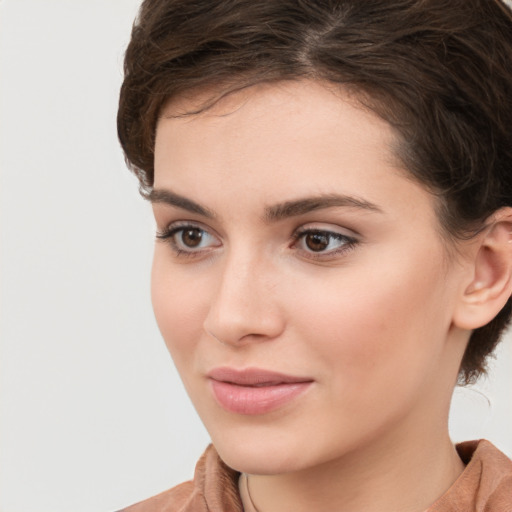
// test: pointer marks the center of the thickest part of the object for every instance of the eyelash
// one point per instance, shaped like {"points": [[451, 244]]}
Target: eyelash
{"points": [[348, 242], [168, 234]]}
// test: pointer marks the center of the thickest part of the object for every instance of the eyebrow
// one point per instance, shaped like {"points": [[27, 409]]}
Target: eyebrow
{"points": [[273, 213], [170, 198], [308, 204]]}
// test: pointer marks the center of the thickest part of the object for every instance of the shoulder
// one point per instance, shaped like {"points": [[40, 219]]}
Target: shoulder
{"points": [[214, 487], [484, 486], [172, 500], [495, 487]]}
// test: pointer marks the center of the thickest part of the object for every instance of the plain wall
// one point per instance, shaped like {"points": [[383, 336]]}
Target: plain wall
{"points": [[93, 416]]}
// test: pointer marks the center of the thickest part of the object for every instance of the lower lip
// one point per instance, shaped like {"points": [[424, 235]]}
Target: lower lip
{"points": [[256, 400]]}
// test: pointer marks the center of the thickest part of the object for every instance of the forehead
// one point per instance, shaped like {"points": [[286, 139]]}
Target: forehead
{"points": [[299, 95], [288, 138], [288, 112]]}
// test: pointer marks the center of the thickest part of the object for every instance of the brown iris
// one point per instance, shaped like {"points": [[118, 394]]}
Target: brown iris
{"points": [[192, 237], [316, 241]]}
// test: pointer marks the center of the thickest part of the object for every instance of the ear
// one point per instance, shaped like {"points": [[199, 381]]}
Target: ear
{"points": [[491, 274]]}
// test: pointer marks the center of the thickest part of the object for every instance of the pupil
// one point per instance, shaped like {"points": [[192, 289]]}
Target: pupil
{"points": [[192, 237], [317, 241]]}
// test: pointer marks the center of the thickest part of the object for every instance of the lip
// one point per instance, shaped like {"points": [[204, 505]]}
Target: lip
{"points": [[254, 391]]}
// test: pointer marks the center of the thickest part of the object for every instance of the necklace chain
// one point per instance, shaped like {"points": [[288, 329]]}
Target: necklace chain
{"points": [[246, 477]]}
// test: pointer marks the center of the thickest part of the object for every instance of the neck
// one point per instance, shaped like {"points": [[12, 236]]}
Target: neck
{"points": [[405, 467], [393, 475]]}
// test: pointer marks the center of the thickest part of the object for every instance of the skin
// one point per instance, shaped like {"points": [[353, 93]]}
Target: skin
{"points": [[370, 318]]}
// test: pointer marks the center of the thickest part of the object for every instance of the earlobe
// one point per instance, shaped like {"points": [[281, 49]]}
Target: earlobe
{"points": [[491, 284]]}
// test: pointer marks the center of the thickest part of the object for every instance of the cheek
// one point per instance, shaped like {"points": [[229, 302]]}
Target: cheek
{"points": [[379, 329], [179, 304]]}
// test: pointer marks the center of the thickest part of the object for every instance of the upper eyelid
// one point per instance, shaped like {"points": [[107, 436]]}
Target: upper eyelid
{"points": [[335, 234], [313, 226], [183, 224], [327, 228], [303, 228]]}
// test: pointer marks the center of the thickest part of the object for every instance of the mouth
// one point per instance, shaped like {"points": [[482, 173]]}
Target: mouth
{"points": [[254, 391]]}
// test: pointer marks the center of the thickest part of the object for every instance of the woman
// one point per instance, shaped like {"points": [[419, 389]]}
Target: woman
{"points": [[332, 188]]}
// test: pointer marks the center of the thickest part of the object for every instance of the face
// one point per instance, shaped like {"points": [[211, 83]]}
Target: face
{"points": [[300, 280]]}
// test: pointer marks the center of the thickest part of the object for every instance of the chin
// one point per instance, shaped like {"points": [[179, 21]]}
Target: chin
{"points": [[256, 461], [259, 452]]}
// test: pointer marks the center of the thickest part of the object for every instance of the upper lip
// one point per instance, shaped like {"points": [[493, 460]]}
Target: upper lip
{"points": [[253, 377]]}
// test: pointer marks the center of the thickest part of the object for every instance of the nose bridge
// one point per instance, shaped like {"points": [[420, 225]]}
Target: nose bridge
{"points": [[244, 305]]}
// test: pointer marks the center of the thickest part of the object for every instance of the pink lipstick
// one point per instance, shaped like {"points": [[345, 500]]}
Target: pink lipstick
{"points": [[253, 390]]}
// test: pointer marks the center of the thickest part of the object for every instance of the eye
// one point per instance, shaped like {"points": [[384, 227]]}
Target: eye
{"points": [[191, 238], [323, 242], [188, 239]]}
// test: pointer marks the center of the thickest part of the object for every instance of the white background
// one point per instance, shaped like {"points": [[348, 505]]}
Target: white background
{"points": [[92, 413]]}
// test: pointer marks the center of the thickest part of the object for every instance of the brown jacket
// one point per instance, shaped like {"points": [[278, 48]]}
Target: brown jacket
{"points": [[484, 486]]}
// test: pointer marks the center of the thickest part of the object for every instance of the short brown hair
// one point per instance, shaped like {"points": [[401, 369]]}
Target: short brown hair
{"points": [[439, 71]]}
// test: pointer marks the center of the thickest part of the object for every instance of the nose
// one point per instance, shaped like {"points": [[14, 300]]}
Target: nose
{"points": [[245, 306]]}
